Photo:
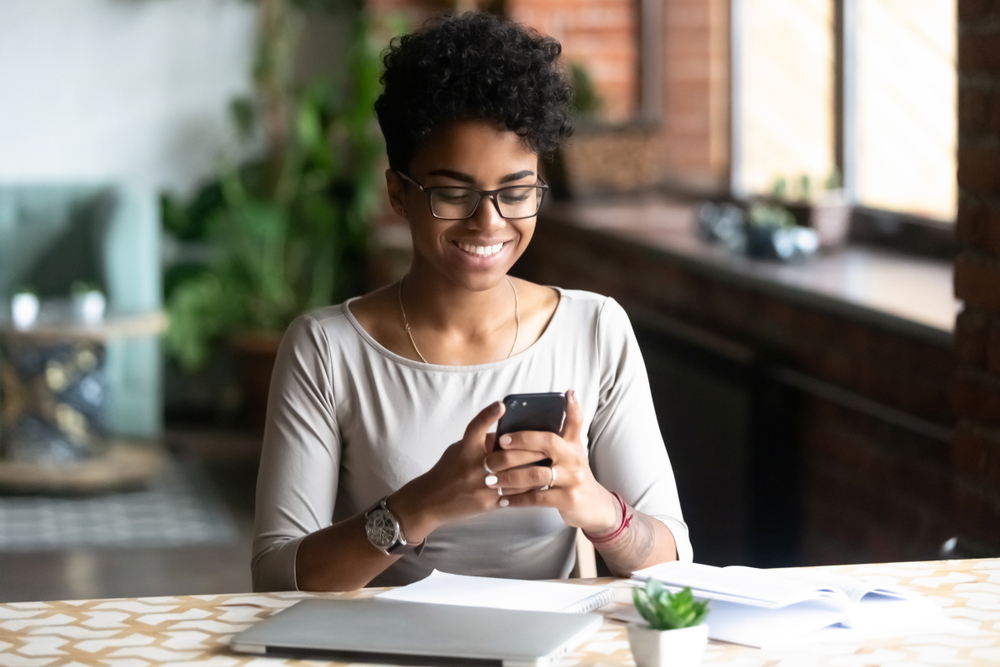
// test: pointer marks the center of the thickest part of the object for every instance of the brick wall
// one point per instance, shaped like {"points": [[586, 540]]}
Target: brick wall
{"points": [[977, 273], [598, 34], [694, 138]]}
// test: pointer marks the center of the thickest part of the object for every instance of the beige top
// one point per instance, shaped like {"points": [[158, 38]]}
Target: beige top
{"points": [[349, 421]]}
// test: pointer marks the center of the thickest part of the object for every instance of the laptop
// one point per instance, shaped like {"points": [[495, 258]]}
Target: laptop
{"points": [[415, 633]]}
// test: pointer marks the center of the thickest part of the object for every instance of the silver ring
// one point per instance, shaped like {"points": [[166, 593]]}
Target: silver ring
{"points": [[487, 468], [552, 482]]}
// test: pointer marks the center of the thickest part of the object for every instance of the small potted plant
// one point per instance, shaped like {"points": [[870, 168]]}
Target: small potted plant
{"points": [[676, 634], [826, 210]]}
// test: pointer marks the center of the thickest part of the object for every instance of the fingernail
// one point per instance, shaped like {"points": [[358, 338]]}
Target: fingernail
{"points": [[572, 395], [504, 440], [495, 407], [491, 480], [504, 502]]}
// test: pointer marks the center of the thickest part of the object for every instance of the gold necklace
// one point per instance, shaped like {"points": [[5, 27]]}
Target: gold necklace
{"points": [[517, 321]]}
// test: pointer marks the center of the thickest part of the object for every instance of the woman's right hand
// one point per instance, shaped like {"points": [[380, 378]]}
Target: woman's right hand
{"points": [[455, 487]]}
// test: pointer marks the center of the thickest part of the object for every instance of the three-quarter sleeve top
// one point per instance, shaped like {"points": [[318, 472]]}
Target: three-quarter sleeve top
{"points": [[349, 421]]}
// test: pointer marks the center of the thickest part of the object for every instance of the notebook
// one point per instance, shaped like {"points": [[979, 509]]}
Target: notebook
{"points": [[468, 591], [415, 633], [763, 607]]}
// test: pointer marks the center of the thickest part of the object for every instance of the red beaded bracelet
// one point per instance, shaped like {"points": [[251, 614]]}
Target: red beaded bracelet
{"points": [[626, 520]]}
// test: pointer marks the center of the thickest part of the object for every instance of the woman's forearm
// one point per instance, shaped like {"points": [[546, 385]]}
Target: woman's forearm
{"points": [[645, 541], [339, 558]]}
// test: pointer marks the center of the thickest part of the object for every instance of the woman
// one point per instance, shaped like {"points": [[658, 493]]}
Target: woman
{"points": [[378, 463]]}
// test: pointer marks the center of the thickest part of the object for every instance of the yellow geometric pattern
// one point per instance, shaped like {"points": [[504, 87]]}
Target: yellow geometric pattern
{"points": [[195, 630]]}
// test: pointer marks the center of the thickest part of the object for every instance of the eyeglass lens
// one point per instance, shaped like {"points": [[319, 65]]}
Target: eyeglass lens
{"points": [[513, 202]]}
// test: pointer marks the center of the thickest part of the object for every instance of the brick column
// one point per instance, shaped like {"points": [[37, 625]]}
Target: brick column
{"points": [[976, 448]]}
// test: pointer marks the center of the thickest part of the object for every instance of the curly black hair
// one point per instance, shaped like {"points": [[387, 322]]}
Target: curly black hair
{"points": [[474, 66]]}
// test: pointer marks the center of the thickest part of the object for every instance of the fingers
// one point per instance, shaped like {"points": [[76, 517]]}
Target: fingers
{"points": [[513, 458], [518, 480], [475, 432], [531, 498], [535, 442], [574, 418]]}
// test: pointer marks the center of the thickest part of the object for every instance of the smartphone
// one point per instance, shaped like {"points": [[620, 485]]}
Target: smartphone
{"points": [[533, 412]]}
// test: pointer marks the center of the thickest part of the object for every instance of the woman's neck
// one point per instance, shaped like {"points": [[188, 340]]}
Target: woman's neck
{"points": [[433, 302]]}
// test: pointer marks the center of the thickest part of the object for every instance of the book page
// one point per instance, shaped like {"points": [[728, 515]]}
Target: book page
{"points": [[856, 589], [444, 588], [745, 585], [753, 626]]}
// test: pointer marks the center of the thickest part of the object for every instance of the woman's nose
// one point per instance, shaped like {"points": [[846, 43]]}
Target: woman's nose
{"points": [[487, 214]]}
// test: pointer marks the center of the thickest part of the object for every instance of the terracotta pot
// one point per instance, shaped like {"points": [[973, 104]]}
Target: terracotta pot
{"points": [[254, 353], [663, 648]]}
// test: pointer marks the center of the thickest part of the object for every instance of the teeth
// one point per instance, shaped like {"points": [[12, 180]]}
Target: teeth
{"points": [[480, 250]]}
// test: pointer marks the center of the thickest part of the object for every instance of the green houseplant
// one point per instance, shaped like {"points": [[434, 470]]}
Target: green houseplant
{"points": [[286, 231], [675, 633]]}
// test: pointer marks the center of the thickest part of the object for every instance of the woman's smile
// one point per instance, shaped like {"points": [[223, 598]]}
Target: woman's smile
{"points": [[482, 255], [480, 250]]}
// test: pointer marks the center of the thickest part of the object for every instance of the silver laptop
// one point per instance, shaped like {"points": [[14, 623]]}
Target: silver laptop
{"points": [[414, 633]]}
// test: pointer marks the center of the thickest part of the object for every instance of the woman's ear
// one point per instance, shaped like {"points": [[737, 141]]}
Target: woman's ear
{"points": [[394, 186]]}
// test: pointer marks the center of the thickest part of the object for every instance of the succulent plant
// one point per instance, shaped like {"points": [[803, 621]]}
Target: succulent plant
{"points": [[664, 610]]}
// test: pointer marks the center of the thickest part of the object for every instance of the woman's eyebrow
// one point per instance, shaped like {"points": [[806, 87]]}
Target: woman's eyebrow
{"points": [[465, 178], [518, 176]]}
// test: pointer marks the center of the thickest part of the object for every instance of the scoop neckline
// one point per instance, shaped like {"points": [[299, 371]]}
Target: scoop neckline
{"points": [[412, 363]]}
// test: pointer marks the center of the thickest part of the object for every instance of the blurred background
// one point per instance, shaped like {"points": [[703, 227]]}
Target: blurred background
{"points": [[797, 201]]}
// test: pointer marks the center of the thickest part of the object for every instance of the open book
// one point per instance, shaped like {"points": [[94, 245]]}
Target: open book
{"points": [[443, 588], [762, 607]]}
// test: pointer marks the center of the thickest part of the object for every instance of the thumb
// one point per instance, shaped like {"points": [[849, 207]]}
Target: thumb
{"points": [[574, 419], [475, 432]]}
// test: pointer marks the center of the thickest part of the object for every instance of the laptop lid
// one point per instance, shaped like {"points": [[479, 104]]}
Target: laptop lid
{"points": [[416, 633]]}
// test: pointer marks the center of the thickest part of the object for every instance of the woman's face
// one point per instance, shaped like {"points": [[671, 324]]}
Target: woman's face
{"points": [[477, 252]]}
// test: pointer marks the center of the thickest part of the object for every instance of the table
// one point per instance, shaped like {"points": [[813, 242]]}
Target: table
{"points": [[53, 435], [195, 630]]}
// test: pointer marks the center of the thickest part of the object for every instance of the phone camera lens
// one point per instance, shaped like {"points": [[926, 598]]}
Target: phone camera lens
{"points": [[513, 404]]}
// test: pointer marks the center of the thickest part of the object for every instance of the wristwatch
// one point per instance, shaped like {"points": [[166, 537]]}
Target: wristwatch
{"points": [[384, 532]]}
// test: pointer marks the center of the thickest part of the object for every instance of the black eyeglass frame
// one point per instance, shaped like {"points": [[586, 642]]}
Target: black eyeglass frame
{"points": [[487, 194]]}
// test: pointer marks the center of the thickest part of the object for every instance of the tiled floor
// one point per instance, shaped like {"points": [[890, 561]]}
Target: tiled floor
{"points": [[231, 462]]}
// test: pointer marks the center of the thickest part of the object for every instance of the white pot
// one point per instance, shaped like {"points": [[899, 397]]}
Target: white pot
{"points": [[24, 310], [89, 306], [663, 648]]}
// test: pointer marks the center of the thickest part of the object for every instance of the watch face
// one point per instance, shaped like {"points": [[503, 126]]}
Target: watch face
{"points": [[381, 529]]}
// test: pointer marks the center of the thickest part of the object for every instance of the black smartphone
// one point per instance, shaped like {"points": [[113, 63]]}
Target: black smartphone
{"points": [[533, 412]]}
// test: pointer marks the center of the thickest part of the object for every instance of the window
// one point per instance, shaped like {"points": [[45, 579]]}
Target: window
{"points": [[863, 90], [905, 108]]}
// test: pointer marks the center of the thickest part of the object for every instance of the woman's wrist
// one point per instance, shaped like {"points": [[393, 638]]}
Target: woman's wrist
{"points": [[607, 520], [415, 521], [616, 531]]}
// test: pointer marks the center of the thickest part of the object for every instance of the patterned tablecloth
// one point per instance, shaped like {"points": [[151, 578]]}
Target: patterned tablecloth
{"points": [[195, 630]]}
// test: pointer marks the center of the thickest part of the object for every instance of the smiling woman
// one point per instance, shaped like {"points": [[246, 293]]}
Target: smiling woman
{"points": [[379, 463]]}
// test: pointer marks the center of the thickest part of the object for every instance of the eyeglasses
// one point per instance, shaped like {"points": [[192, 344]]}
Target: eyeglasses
{"points": [[514, 202]]}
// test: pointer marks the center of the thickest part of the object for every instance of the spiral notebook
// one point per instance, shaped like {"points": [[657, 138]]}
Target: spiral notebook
{"points": [[466, 591]]}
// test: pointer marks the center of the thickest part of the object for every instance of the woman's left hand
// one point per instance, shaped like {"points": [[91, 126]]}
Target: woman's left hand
{"points": [[572, 489]]}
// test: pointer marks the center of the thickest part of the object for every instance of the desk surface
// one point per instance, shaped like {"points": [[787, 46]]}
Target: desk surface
{"points": [[196, 629]]}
